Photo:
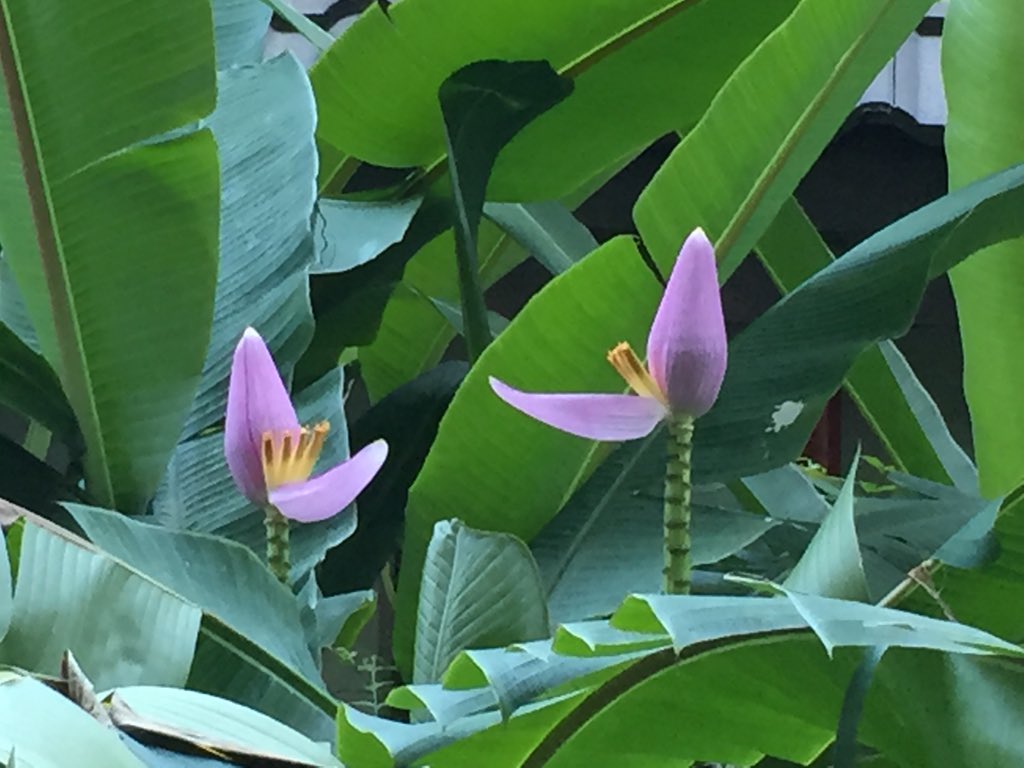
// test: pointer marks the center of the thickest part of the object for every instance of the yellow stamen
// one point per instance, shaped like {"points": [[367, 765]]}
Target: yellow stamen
{"points": [[631, 368], [289, 455]]}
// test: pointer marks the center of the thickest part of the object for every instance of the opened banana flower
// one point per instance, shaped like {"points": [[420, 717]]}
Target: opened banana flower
{"points": [[271, 456], [686, 352]]}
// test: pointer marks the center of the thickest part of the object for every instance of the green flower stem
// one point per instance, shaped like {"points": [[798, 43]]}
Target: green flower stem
{"points": [[678, 491], [277, 545]]}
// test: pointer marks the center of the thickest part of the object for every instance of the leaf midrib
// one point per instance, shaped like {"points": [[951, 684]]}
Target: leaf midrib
{"points": [[727, 241], [74, 366]]}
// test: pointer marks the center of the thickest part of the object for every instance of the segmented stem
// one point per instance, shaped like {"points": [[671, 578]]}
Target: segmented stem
{"points": [[677, 506], [278, 549]]}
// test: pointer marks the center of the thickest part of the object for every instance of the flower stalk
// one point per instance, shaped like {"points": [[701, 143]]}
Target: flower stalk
{"points": [[687, 353], [278, 547], [678, 495]]}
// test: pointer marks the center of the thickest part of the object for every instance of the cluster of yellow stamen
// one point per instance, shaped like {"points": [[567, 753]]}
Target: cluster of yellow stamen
{"points": [[631, 368], [289, 455]]}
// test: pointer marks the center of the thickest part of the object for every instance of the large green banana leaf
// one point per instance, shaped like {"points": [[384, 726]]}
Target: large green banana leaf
{"points": [[654, 64], [112, 238], [981, 73]]}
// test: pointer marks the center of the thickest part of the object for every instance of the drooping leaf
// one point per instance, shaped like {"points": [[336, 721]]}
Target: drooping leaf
{"points": [[374, 741], [956, 463], [625, 58], [224, 579], [89, 217], [479, 590], [896, 263], [763, 683], [485, 105], [407, 419]]}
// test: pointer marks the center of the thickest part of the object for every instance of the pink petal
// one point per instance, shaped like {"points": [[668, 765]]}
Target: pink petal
{"points": [[257, 402], [327, 494], [593, 416], [687, 346]]}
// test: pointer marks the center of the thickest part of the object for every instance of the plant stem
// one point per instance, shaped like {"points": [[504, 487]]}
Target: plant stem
{"points": [[678, 491], [277, 545]]}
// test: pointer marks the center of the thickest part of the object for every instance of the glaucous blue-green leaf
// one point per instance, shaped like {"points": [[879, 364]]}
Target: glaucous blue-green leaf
{"points": [[479, 590], [123, 628], [881, 383], [831, 565], [42, 727], [239, 27], [222, 727], [252, 646], [754, 662], [350, 232], [548, 231], [607, 540], [6, 594], [268, 169]]}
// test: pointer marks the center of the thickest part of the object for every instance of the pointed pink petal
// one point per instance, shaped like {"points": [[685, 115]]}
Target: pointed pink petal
{"points": [[257, 403], [593, 416], [327, 494], [687, 346]]}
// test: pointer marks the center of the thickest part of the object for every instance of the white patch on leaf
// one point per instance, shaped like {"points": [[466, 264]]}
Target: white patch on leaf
{"points": [[784, 415]]}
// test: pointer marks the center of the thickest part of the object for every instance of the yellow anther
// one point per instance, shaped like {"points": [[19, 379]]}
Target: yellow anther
{"points": [[631, 368], [289, 455]]}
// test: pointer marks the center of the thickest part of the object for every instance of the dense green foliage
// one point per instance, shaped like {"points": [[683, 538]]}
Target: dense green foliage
{"points": [[163, 188]]}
